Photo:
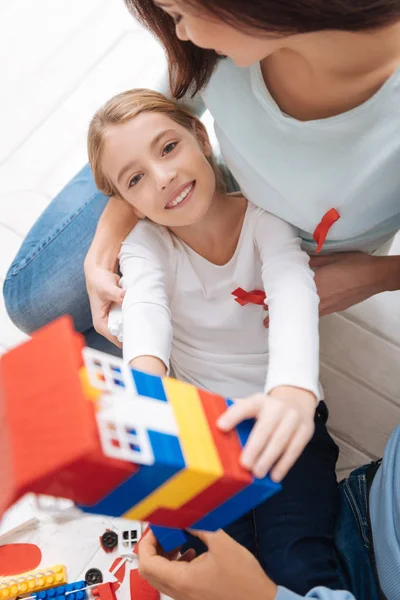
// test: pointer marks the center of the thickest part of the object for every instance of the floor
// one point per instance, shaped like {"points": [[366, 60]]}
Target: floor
{"points": [[59, 60]]}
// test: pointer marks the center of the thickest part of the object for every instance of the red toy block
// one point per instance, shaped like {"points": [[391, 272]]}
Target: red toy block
{"points": [[141, 589], [104, 591], [235, 476], [8, 485], [55, 444]]}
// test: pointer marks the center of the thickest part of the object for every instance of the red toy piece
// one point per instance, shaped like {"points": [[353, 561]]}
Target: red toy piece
{"points": [[19, 558], [104, 591], [8, 485], [141, 589], [235, 476], [66, 459]]}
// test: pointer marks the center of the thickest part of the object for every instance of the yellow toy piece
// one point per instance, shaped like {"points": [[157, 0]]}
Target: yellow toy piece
{"points": [[92, 393], [32, 581], [203, 465]]}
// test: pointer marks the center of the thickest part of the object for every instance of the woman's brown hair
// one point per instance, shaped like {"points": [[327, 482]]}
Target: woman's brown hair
{"points": [[126, 106], [191, 67]]}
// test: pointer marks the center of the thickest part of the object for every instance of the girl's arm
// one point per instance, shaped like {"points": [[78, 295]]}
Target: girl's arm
{"points": [[145, 263], [293, 301], [285, 412]]}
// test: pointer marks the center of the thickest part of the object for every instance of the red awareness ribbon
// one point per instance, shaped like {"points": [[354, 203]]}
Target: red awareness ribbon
{"points": [[321, 230], [253, 297]]}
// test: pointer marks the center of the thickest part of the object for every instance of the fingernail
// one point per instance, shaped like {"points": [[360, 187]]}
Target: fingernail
{"points": [[221, 422]]}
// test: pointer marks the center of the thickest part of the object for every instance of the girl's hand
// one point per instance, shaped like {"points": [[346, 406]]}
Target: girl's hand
{"points": [[103, 290], [284, 426]]}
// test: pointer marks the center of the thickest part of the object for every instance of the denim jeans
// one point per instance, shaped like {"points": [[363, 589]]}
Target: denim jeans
{"points": [[46, 279], [353, 537]]}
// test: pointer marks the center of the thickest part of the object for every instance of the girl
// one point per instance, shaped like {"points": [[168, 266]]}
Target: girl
{"points": [[195, 270], [307, 111]]}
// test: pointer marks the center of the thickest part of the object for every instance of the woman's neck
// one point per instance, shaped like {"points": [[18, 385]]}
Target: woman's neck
{"points": [[216, 235], [321, 74]]}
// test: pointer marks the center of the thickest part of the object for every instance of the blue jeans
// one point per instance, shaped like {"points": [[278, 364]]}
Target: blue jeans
{"points": [[46, 279], [353, 537]]}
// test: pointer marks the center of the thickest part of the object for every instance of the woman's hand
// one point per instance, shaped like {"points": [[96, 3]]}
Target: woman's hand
{"points": [[226, 572], [284, 426], [345, 279], [101, 262], [103, 290]]}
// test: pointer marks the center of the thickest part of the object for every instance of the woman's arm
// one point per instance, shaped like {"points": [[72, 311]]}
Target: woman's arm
{"points": [[101, 262], [227, 571], [347, 278]]}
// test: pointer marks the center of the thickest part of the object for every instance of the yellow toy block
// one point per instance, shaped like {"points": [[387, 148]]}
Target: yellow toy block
{"points": [[32, 581], [92, 393], [203, 465]]}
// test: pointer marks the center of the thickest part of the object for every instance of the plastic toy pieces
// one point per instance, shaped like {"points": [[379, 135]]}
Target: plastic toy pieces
{"points": [[93, 576], [109, 540], [141, 589], [32, 581], [47, 408], [128, 540], [185, 473], [105, 591], [70, 591]]}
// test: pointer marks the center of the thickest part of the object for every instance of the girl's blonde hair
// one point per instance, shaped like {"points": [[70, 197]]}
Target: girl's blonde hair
{"points": [[126, 106]]}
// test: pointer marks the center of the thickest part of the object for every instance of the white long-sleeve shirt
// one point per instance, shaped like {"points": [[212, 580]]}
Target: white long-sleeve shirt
{"points": [[300, 170], [179, 308]]}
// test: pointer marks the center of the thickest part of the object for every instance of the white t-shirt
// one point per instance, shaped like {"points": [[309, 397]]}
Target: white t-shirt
{"points": [[179, 307], [300, 170]]}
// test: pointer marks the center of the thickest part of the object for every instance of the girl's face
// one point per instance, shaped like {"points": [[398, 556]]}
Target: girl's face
{"points": [[160, 168], [209, 32]]}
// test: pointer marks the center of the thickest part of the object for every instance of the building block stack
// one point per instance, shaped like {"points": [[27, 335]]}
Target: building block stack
{"points": [[83, 425], [39, 580]]}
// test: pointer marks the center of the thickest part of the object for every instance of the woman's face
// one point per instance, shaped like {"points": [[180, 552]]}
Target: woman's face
{"points": [[160, 168], [209, 32]]}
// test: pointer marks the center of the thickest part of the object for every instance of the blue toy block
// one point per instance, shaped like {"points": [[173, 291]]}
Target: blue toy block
{"points": [[238, 505], [169, 460], [169, 538], [69, 591], [149, 385]]}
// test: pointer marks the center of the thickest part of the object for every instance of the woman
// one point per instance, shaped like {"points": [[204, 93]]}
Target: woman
{"points": [[322, 80]]}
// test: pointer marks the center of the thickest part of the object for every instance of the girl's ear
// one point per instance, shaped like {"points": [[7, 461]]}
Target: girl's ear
{"points": [[202, 137]]}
